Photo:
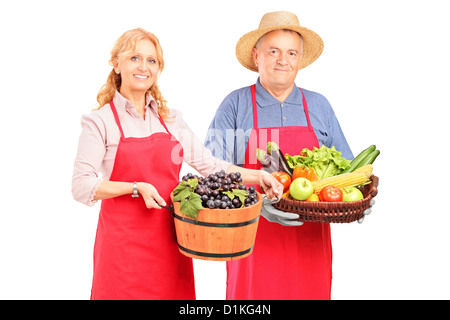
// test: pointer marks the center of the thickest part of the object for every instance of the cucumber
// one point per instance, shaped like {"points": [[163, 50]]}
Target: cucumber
{"points": [[368, 159], [359, 158]]}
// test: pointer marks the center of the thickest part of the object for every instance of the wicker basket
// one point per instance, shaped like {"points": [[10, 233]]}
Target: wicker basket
{"points": [[331, 212]]}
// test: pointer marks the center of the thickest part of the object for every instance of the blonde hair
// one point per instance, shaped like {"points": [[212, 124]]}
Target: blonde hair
{"points": [[126, 43]]}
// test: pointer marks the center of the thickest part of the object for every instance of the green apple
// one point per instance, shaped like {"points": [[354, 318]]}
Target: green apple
{"points": [[352, 194], [301, 189]]}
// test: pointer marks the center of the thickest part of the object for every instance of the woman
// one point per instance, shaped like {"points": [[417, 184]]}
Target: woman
{"points": [[138, 146]]}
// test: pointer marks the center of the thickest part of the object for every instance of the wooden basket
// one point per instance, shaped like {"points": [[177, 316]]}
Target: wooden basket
{"points": [[218, 234], [331, 212]]}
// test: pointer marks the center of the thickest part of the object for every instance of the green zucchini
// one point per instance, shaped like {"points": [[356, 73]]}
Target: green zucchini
{"points": [[368, 159], [359, 158]]}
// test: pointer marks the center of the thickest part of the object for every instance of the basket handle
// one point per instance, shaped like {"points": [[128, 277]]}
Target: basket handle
{"points": [[270, 201], [374, 188], [170, 208]]}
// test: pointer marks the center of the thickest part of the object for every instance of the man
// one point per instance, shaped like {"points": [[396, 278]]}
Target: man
{"points": [[290, 260]]}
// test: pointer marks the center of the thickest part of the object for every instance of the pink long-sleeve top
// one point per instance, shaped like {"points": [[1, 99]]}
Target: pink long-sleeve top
{"points": [[100, 137]]}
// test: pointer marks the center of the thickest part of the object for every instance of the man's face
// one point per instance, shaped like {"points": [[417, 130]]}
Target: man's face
{"points": [[277, 56]]}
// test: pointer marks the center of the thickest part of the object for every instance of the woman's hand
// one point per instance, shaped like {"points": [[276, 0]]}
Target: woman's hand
{"points": [[150, 195], [270, 186]]}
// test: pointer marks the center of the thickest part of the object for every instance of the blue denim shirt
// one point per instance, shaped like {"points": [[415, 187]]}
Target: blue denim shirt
{"points": [[229, 131]]}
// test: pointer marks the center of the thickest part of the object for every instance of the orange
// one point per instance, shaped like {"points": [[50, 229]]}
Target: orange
{"points": [[313, 197]]}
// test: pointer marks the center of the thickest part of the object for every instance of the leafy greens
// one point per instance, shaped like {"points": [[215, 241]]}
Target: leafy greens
{"points": [[326, 162]]}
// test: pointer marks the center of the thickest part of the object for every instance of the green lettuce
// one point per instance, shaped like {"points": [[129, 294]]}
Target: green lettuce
{"points": [[326, 162]]}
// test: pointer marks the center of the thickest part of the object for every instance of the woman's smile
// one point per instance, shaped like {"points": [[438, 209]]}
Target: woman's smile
{"points": [[141, 77]]}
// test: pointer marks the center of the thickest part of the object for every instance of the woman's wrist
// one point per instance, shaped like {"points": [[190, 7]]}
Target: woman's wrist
{"points": [[261, 174], [135, 190], [111, 189], [249, 176]]}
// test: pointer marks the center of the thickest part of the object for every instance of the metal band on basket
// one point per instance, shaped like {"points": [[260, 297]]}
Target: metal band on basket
{"points": [[213, 224], [215, 255]]}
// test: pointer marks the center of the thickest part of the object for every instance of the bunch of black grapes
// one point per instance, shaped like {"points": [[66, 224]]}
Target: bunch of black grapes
{"points": [[211, 188]]}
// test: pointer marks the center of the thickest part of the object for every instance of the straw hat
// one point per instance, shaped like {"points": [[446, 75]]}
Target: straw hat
{"points": [[312, 43]]}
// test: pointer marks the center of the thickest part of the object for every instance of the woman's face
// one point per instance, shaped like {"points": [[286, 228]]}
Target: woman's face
{"points": [[139, 68]]}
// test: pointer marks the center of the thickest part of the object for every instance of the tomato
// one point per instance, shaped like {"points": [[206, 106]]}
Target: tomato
{"points": [[304, 172], [283, 178], [331, 194]]}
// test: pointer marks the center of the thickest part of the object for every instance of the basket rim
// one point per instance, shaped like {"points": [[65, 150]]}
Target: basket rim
{"points": [[220, 211]]}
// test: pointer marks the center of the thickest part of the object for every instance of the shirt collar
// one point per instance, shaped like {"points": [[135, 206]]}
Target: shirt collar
{"points": [[122, 102], [265, 99]]}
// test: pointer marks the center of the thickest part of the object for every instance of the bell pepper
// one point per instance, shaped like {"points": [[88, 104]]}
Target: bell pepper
{"points": [[304, 172]]}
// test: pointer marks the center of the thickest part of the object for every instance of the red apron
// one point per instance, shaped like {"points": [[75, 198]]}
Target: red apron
{"points": [[287, 262], [136, 254]]}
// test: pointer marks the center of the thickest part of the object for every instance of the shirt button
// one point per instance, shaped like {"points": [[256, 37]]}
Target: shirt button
{"points": [[282, 105], [284, 119]]}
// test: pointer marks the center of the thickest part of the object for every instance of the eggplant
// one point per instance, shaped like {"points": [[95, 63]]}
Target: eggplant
{"points": [[267, 161], [263, 158], [273, 160], [278, 155]]}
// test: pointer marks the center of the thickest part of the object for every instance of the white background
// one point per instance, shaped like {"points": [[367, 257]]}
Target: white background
{"points": [[385, 69]]}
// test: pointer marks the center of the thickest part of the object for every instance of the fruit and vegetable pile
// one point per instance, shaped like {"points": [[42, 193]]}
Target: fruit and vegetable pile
{"points": [[216, 191], [321, 174]]}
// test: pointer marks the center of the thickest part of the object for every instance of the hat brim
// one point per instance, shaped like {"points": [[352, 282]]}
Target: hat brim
{"points": [[312, 45]]}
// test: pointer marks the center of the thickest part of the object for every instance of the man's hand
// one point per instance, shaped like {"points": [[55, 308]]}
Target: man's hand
{"points": [[367, 211], [274, 215]]}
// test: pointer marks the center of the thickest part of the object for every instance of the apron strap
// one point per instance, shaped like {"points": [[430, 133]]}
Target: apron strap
{"points": [[163, 123], [255, 110], [305, 108], [116, 116]]}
